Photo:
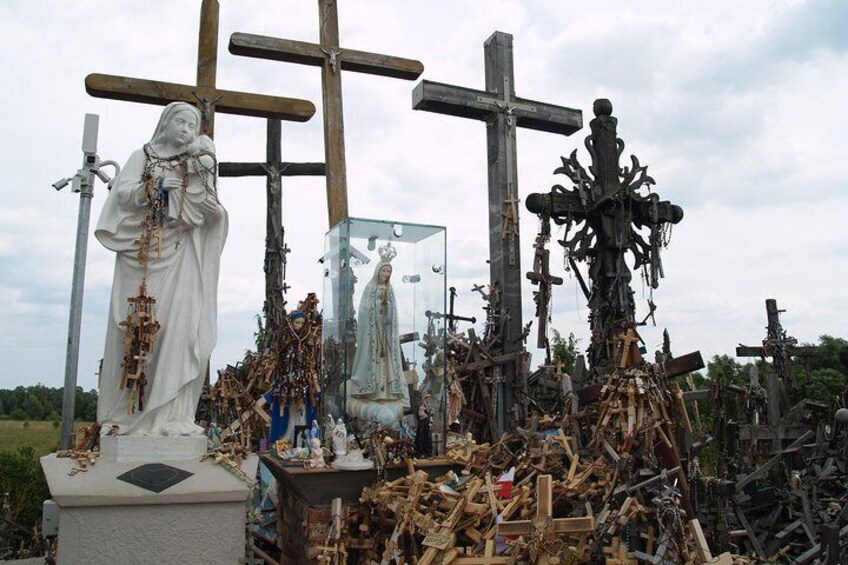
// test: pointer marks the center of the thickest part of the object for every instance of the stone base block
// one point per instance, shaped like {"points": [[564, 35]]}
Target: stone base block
{"points": [[105, 520], [151, 448]]}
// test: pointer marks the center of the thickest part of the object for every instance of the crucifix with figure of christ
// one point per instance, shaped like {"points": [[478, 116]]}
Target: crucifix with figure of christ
{"points": [[205, 94], [332, 59], [781, 422], [503, 112], [273, 169]]}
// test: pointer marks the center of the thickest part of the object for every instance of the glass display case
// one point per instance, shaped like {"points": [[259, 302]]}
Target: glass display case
{"points": [[384, 324]]}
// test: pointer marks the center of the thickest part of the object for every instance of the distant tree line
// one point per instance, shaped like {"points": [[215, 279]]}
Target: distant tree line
{"points": [[43, 403]]}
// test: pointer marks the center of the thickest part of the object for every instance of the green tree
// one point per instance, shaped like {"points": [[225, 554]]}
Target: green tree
{"points": [[33, 408], [21, 476], [822, 385], [565, 350], [726, 368]]}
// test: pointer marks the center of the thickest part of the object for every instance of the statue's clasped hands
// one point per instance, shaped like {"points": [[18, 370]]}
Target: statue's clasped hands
{"points": [[169, 184]]}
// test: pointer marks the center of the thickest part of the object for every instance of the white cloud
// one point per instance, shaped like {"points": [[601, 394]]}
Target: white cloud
{"points": [[735, 107]]}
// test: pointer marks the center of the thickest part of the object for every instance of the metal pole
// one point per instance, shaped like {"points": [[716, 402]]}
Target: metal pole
{"points": [[83, 183], [75, 321]]}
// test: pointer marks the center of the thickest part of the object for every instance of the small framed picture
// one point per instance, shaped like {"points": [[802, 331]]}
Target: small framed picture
{"points": [[301, 436]]}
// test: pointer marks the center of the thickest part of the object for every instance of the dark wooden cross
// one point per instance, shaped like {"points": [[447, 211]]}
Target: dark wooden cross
{"points": [[781, 348], [541, 276], [611, 210], [332, 59], [503, 112], [777, 345], [205, 95], [273, 169]]}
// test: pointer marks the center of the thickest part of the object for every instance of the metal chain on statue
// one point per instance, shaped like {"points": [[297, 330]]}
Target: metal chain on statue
{"points": [[140, 325]]}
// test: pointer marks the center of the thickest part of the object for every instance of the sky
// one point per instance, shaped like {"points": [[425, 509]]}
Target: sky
{"points": [[737, 108]]}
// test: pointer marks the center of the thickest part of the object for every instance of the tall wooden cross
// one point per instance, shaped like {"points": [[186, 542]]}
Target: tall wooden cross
{"points": [[273, 169], [205, 94], [503, 113], [332, 59], [782, 348], [777, 345], [611, 209]]}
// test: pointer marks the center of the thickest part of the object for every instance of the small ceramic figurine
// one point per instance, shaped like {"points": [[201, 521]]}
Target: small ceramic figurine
{"points": [[316, 458], [213, 437], [340, 439], [315, 431], [423, 439], [329, 426], [353, 460]]}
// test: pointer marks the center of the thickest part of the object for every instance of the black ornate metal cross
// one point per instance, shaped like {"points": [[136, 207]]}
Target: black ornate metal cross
{"points": [[611, 210]]}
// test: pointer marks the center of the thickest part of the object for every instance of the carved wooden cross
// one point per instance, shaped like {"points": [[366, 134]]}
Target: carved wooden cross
{"points": [[488, 557], [440, 544], [544, 523], [332, 59], [781, 348], [273, 169], [205, 95], [541, 276], [503, 113], [628, 342]]}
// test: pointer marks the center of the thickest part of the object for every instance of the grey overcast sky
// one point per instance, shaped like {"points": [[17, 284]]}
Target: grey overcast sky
{"points": [[738, 108]]}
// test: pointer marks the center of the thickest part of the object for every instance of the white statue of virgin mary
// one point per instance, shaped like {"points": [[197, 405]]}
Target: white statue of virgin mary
{"points": [[377, 389], [167, 228]]}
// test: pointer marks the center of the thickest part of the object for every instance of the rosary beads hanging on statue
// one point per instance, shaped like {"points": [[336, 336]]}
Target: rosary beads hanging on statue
{"points": [[165, 224]]}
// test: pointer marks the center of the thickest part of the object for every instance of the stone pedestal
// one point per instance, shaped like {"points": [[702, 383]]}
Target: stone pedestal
{"points": [[126, 449], [169, 511]]}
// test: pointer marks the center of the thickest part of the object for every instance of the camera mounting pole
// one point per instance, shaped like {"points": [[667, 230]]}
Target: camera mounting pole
{"points": [[83, 183]]}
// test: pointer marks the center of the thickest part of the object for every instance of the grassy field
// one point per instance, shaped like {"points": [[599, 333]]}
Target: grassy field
{"points": [[42, 436]]}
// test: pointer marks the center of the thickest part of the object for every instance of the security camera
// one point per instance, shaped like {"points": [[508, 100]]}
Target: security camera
{"points": [[61, 183]]}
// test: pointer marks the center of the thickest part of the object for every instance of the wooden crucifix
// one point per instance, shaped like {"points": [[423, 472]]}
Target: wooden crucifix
{"points": [[503, 113], [611, 210], [541, 277], [205, 95], [273, 169], [544, 523], [332, 59], [781, 348], [777, 345], [488, 557]]}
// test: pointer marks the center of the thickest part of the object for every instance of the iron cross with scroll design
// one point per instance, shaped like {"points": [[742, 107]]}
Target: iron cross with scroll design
{"points": [[612, 210]]}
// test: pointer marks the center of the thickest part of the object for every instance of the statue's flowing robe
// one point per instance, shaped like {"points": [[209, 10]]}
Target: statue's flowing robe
{"points": [[377, 370], [183, 278]]}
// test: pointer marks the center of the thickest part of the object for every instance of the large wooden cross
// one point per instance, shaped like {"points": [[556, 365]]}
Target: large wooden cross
{"points": [[332, 59], [503, 112], [205, 94], [273, 169], [544, 521]]}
